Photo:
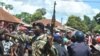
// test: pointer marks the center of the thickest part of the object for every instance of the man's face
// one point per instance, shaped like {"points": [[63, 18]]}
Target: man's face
{"points": [[1, 24], [69, 34], [7, 38]]}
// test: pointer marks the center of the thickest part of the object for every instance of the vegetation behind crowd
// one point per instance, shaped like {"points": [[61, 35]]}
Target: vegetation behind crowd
{"points": [[85, 25]]}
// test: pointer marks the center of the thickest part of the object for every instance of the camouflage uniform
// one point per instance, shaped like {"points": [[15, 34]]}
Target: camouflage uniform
{"points": [[38, 44], [20, 38]]}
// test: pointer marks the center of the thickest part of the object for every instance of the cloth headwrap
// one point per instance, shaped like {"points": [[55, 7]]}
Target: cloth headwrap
{"points": [[65, 40]]}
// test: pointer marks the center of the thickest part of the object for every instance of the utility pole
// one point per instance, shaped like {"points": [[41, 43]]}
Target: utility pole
{"points": [[61, 21]]}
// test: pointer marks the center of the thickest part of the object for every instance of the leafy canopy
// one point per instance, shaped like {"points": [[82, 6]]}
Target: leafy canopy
{"points": [[28, 18]]}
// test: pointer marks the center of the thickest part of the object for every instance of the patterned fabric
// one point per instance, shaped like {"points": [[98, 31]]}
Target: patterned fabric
{"points": [[2, 31], [22, 37], [7, 46], [38, 44], [97, 46], [54, 51]]}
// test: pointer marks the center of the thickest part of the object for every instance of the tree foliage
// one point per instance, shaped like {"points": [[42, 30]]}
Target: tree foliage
{"points": [[88, 22], [28, 18], [39, 14], [84, 25], [77, 23], [97, 22], [97, 18], [97, 28], [24, 16], [2, 4], [6, 6], [93, 25], [42, 11]]}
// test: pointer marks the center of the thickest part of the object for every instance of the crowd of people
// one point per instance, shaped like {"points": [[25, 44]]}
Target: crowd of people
{"points": [[38, 41]]}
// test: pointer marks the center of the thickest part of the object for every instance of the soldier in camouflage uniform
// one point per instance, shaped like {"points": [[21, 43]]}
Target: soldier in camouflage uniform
{"points": [[42, 43], [38, 41], [38, 45], [21, 38]]}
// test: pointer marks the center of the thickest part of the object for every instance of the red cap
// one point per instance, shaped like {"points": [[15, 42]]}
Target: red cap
{"points": [[98, 39]]}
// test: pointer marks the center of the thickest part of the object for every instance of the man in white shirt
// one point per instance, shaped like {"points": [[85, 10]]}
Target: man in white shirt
{"points": [[7, 45]]}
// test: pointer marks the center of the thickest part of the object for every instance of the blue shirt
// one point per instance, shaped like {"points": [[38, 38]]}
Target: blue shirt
{"points": [[79, 49], [61, 50]]}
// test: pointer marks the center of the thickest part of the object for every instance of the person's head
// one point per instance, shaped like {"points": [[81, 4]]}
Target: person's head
{"points": [[1, 24], [68, 34], [57, 38], [41, 26], [38, 29], [33, 24], [22, 29], [79, 36], [65, 41], [11, 27], [98, 40], [7, 37]]}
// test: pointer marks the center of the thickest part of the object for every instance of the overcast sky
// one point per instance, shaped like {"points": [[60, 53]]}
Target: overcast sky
{"points": [[64, 8]]}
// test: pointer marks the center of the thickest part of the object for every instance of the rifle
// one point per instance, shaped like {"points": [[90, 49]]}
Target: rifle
{"points": [[48, 45], [53, 20]]}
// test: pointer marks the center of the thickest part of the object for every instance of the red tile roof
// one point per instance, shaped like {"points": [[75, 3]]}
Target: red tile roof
{"points": [[48, 21], [5, 16]]}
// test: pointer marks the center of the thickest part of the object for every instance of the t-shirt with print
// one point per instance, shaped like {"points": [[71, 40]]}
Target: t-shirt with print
{"points": [[7, 46]]}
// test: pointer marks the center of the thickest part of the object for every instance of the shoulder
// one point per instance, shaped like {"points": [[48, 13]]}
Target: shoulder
{"points": [[10, 42], [73, 45], [97, 46], [3, 41]]}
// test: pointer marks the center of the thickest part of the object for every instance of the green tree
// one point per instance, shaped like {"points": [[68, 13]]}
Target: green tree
{"points": [[77, 23], [28, 18], [42, 11], [9, 7], [96, 28], [88, 22], [93, 25], [2, 4], [96, 22], [97, 18], [6, 6], [39, 14], [24, 16]]}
